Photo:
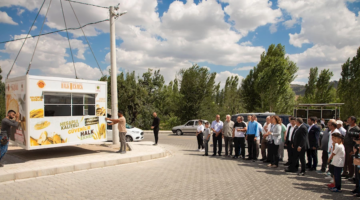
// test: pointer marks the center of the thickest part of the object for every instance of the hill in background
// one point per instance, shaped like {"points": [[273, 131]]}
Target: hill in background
{"points": [[300, 89]]}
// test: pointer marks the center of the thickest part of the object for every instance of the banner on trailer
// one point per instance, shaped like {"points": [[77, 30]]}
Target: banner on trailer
{"points": [[47, 129], [15, 100]]}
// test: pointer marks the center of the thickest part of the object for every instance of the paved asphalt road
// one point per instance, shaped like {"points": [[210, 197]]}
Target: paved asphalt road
{"points": [[184, 175]]}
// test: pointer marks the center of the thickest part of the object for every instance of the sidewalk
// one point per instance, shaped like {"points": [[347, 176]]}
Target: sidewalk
{"points": [[21, 164]]}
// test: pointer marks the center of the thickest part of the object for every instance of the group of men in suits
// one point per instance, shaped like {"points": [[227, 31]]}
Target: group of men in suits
{"points": [[301, 139]]}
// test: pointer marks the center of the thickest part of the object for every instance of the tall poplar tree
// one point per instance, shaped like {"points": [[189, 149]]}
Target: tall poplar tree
{"points": [[324, 87], [268, 85], [349, 85], [310, 87]]}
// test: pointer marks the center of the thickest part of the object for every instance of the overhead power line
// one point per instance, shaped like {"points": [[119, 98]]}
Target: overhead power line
{"points": [[71, 29], [88, 4], [37, 42], [25, 39], [86, 39], [67, 34]]}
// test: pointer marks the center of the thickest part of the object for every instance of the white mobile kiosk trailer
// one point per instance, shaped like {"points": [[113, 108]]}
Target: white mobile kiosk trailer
{"points": [[57, 112]]}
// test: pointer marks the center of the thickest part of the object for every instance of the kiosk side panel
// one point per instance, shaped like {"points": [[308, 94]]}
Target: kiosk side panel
{"points": [[66, 113], [15, 95]]}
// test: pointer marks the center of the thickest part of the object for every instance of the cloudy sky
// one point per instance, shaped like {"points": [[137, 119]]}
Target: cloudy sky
{"points": [[226, 36]]}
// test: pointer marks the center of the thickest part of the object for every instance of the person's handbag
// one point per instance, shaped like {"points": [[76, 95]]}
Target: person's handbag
{"points": [[4, 141]]}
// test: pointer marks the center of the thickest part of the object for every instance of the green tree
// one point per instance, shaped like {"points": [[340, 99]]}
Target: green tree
{"points": [[197, 93], [137, 96], [310, 87], [271, 80], [324, 87], [349, 85], [151, 83], [249, 96], [167, 104], [231, 97]]}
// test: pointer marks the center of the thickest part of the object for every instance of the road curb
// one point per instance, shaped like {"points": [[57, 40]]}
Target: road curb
{"points": [[160, 132], [79, 167]]}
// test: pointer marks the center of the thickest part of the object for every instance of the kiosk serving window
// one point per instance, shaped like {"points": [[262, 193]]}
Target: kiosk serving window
{"points": [[68, 104]]}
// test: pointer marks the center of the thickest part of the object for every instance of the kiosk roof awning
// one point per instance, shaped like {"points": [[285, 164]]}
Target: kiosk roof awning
{"points": [[319, 104], [73, 91]]}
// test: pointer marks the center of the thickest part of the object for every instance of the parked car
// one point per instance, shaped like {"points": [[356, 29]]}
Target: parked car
{"points": [[188, 127], [262, 117], [132, 133]]}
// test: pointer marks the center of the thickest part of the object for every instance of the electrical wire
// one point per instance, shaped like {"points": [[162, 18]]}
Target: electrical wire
{"points": [[86, 39], [67, 33], [32, 36], [88, 4], [42, 26], [25, 40]]}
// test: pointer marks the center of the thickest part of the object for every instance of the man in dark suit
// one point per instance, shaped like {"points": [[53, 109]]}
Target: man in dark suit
{"points": [[299, 146], [313, 137], [288, 140], [156, 126]]}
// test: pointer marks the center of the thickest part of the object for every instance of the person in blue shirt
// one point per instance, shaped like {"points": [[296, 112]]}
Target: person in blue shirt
{"points": [[216, 127], [251, 136]]}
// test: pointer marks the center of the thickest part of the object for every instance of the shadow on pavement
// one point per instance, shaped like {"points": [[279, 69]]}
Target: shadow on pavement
{"points": [[49, 153], [307, 180], [15, 156]]}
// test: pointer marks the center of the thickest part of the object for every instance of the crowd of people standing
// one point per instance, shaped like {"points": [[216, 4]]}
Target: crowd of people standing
{"points": [[300, 139]]}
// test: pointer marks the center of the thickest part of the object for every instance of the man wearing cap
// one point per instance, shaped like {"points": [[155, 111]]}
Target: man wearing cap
{"points": [[340, 127]]}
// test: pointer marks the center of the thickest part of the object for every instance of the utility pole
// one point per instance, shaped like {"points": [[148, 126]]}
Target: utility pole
{"points": [[114, 94]]}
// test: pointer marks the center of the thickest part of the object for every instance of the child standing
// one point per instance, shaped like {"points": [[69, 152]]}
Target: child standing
{"points": [[337, 159], [206, 138]]}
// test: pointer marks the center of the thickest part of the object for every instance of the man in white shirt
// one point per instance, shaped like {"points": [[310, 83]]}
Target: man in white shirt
{"points": [[289, 124], [288, 140], [258, 138], [227, 134], [266, 128], [216, 127], [340, 127]]}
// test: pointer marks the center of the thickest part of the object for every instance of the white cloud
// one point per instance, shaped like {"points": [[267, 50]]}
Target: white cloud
{"points": [[290, 23], [206, 67], [83, 70], [247, 43], [34, 28], [323, 57], [222, 76], [250, 14], [191, 33], [50, 57], [187, 33], [140, 62], [273, 28], [247, 68], [28, 4], [5, 18], [20, 11], [323, 22], [330, 26]]}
